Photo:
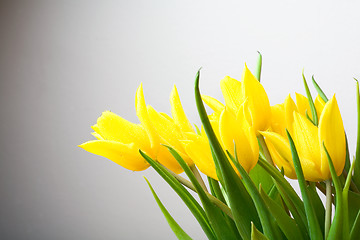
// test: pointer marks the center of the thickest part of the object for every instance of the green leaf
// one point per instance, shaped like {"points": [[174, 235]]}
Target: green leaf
{"points": [[345, 197], [216, 191], [269, 227], [336, 229], [187, 198], [319, 90], [285, 222], [313, 224], [356, 176], [355, 230], [311, 102], [299, 216], [354, 206], [179, 232], [273, 193], [318, 207], [258, 67], [347, 156], [214, 214], [197, 129], [259, 176], [290, 197], [256, 234], [240, 202]]}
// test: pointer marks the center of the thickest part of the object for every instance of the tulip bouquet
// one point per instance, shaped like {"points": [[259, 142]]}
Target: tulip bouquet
{"points": [[247, 150]]}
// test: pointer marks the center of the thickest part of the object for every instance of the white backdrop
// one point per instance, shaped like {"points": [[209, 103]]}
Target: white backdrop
{"points": [[64, 62]]}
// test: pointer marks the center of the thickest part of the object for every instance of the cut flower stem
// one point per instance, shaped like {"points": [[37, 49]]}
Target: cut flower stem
{"points": [[328, 208], [213, 199]]}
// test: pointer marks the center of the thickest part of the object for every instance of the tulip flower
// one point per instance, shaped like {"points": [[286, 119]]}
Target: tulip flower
{"points": [[258, 112], [120, 140], [164, 129], [229, 129], [308, 138]]}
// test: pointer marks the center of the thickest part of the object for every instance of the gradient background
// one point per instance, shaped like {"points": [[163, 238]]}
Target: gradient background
{"points": [[64, 62]]}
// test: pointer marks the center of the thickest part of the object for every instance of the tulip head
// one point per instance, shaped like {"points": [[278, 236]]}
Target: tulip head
{"points": [[120, 140], [162, 129], [308, 138], [258, 111], [231, 131]]}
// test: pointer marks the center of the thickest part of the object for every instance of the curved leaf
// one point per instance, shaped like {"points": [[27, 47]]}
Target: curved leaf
{"points": [[187, 198], [313, 224], [285, 222], [256, 234], [243, 208], [214, 214], [311, 102], [179, 232], [269, 227]]}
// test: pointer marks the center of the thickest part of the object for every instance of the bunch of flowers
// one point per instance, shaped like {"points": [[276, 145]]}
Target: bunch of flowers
{"points": [[247, 149]]}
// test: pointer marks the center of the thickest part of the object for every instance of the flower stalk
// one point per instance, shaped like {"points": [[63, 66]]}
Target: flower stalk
{"points": [[328, 207]]}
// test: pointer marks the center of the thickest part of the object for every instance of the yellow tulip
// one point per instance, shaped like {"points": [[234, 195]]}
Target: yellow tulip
{"points": [[308, 138], [229, 129], [235, 129], [258, 112], [120, 140], [198, 149]]}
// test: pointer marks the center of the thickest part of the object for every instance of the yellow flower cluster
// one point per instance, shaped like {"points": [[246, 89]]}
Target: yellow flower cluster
{"points": [[245, 117]]}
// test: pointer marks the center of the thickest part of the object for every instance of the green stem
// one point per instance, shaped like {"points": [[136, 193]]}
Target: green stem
{"points": [[213, 199], [345, 195], [352, 186], [328, 207], [198, 177], [265, 149]]}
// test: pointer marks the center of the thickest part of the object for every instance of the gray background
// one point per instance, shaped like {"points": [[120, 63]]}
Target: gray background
{"points": [[64, 62]]}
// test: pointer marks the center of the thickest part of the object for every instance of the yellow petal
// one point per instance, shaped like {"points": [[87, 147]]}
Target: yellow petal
{"points": [[231, 89], [278, 123], [232, 130], [228, 130], [164, 115], [303, 105], [243, 114], [306, 139], [97, 136], [126, 155], [113, 127], [213, 103], [165, 158], [96, 129], [214, 121], [141, 111], [332, 133], [168, 132], [178, 113], [290, 107], [198, 149], [258, 102], [279, 149], [319, 105], [253, 154]]}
